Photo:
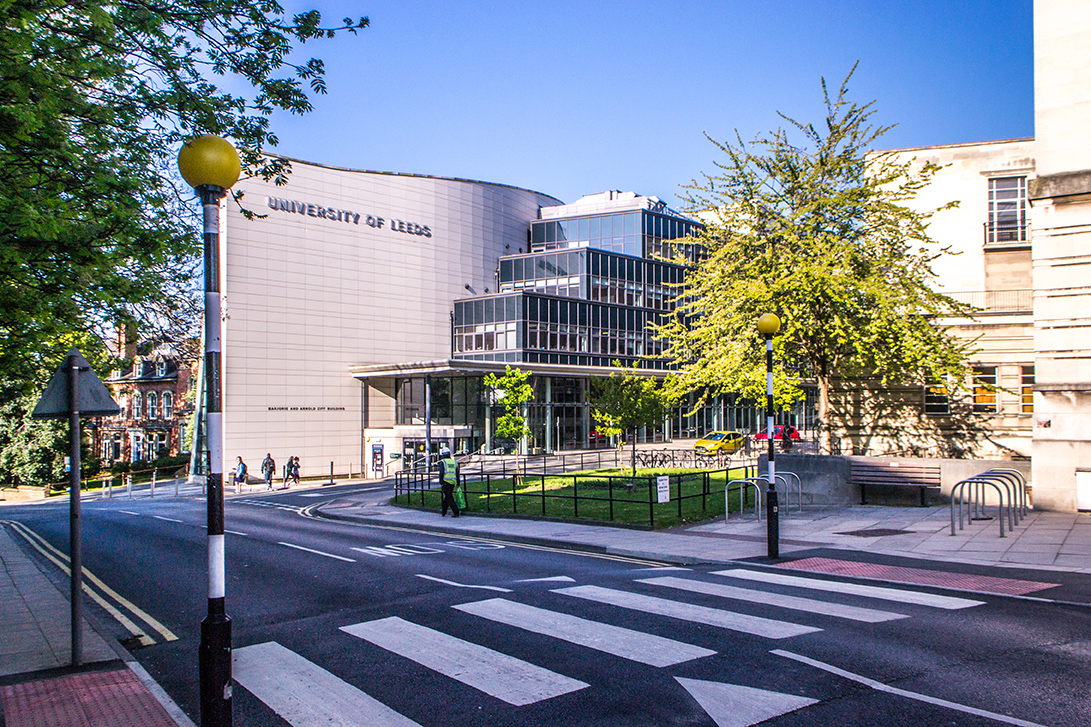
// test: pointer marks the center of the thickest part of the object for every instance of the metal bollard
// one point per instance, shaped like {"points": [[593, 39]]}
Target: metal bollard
{"points": [[129, 485], [331, 473], [110, 490], [154, 472]]}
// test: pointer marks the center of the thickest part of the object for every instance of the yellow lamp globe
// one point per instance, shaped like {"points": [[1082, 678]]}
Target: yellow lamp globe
{"points": [[209, 161], [768, 324]]}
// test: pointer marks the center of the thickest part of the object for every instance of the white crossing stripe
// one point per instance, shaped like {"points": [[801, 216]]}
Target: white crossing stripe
{"points": [[499, 675], [626, 643], [463, 585], [550, 579], [854, 613], [918, 598], [756, 625], [306, 695]]}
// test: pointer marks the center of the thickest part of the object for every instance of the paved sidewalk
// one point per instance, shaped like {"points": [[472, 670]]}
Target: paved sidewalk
{"points": [[37, 684], [1043, 540]]}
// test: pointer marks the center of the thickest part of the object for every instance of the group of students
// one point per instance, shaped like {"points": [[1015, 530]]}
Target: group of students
{"points": [[268, 469]]}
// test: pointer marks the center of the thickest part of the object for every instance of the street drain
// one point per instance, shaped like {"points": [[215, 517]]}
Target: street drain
{"points": [[875, 532]]}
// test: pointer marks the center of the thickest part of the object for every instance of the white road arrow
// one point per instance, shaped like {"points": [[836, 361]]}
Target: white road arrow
{"points": [[733, 705]]}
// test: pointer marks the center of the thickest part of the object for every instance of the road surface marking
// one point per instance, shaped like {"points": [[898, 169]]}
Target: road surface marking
{"points": [[733, 705], [232, 532], [663, 569], [626, 643], [163, 631], [887, 594], [551, 579], [121, 618], [879, 686], [317, 552], [306, 695], [755, 625], [855, 613], [168, 519], [509, 679], [129, 512], [463, 585]]}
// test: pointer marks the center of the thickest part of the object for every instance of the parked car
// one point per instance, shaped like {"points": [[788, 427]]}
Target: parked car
{"points": [[726, 442], [778, 433]]}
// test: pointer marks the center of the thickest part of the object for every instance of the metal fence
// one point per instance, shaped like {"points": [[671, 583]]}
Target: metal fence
{"points": [[601, 497]]}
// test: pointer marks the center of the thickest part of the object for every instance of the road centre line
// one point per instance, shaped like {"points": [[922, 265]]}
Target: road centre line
{"points": [[168, 519], [507, 678], [919, 598], [303, 693], [879, 686], [745, 623], [129, 512], [825, 608], [121, 618], [317, 552], [463, 585], [166, 633], [636, 646]]}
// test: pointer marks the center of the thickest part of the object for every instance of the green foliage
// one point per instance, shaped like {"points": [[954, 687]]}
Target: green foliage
{"points": [[627, 401], [32, 451], [820, 235], [95, 98], [512, 391]]}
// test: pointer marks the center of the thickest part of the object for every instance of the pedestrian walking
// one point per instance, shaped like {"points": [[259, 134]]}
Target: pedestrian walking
{"points": [[448, 480], [268, 467], [295, 470], [240, 471]]}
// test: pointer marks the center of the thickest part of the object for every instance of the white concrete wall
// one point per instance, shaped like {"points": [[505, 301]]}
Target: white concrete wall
{"points": [[307, 297], [1062, 85]]}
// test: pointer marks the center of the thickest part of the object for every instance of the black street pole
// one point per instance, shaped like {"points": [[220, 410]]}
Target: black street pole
{"points": [[74, 530], [214, 651], [772, 509]]}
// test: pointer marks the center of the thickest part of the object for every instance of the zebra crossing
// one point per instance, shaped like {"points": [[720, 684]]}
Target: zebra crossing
{"points": [[303, 693]]}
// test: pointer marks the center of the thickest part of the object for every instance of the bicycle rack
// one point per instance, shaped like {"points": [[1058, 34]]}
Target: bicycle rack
{"points": [[980, 481], [1022, 487], [752, 481]]}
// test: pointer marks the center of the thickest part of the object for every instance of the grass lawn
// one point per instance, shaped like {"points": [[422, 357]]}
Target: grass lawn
{"points": [[602, 495]]}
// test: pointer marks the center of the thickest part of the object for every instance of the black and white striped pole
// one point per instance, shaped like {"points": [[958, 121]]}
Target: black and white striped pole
{"points": [[211, 166], [768, 325]]}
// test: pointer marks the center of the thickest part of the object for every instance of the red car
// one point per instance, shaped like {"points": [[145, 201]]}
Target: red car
{"points": [[778, 433]]}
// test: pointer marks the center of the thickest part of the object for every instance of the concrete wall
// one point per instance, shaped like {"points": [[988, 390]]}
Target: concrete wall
{"points": [[827, 479]]}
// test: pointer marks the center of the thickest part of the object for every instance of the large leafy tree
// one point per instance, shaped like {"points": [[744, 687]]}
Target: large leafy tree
{"points": [[626, 401], [94, 100], [819, 233]]}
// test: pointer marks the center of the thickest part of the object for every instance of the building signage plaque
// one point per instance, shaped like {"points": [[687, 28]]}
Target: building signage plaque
{"points": [[332, 214]]}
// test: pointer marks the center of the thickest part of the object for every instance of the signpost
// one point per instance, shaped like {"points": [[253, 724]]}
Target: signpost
{"points": [[70, 396], [663, 488]]}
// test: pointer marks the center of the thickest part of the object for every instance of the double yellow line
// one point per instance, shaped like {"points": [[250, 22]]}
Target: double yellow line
{"points": [[91, 583]]}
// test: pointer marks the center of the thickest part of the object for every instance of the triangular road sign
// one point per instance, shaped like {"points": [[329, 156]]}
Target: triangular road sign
{"points": [[733, 705], [92, 396]]}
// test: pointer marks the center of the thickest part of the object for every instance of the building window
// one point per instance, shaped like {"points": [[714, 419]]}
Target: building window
{"points": [[160, 367], [985, 389], [153, 412], [168, 405], [936, 400], [1026, 390], [1007, 210], [137, 410]]}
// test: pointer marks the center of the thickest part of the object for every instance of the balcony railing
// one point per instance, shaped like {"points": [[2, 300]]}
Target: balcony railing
{"points": [[1006, 234], [997, 301]]}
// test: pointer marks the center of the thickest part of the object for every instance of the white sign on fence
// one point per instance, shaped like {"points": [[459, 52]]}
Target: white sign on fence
{"points": [[663, 485]]}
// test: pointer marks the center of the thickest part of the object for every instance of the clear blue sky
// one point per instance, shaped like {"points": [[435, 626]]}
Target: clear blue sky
{"points": [[572, 98]]}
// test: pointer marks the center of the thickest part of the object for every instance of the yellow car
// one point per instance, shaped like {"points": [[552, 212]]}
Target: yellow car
{"points": [[726, 442]]}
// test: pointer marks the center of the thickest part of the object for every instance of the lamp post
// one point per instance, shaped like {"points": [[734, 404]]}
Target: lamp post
{"points": [[768, 325], [211, 166]]}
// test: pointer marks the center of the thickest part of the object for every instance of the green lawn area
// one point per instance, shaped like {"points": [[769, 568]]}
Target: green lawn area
{"points": [[598, 495]]}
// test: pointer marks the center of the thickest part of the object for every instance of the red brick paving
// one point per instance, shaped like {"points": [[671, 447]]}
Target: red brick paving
{"points": [[114, 698], [920, 576]]}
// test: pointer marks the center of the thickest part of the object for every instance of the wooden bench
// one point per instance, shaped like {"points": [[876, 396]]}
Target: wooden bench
{"points": [[895, 474]]}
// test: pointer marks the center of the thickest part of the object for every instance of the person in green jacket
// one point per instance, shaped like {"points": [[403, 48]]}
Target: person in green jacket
{"points": [[448, 479]]}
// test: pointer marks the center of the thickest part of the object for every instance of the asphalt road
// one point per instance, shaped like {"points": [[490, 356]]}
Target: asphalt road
{"points": [[333, 620]]}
